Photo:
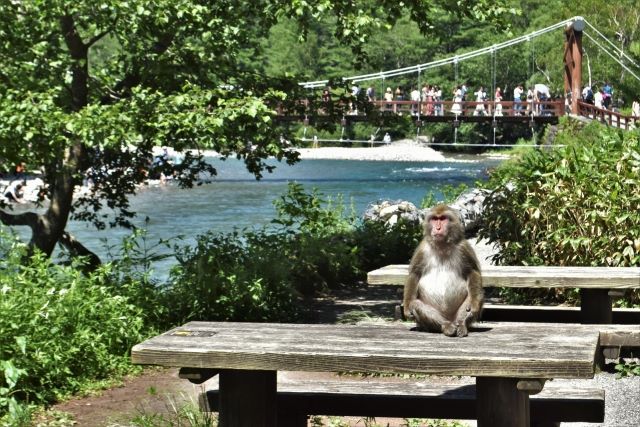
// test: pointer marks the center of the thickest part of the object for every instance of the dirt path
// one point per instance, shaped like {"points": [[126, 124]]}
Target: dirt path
{"points": [[153, 392]]}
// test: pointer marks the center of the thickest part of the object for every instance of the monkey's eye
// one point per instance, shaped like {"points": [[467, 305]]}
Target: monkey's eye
{"points": [[439, 218]]}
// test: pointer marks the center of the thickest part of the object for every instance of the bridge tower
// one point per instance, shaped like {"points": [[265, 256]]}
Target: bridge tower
{"points": [[573, 62]]}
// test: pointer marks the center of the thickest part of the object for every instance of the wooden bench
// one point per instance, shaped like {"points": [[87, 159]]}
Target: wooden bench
{"points": [[297, 400], [508, 362], [597, 285]]}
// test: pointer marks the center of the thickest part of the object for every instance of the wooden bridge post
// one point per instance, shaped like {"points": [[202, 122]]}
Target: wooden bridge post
{"points": [[573, 63]]}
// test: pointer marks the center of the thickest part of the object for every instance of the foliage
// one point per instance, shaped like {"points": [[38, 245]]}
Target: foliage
{"points": [[259, 274], [52, 317], [573, 205], [627, 369], [90, 89]]}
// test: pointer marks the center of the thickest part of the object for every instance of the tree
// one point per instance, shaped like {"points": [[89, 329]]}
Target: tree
{"points": [[89, 88]]}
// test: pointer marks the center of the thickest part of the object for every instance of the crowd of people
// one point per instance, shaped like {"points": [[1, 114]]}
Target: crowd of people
{"points": [[428, 100], [600, 97]]}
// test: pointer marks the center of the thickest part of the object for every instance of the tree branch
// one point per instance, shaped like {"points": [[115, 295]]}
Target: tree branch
{"points": [[133, 78], [29, 219], [95, 39]]}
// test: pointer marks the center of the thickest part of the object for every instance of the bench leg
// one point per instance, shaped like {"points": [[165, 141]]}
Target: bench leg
{"points": [[248, 398], [292, 420], [499, 403], [595, 306]]}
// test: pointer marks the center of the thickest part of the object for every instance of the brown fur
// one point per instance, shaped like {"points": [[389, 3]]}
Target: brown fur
{"points": [[451, 295]]}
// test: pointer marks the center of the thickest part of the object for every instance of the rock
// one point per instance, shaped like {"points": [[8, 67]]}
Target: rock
{"points": [[390, 212], [468, 205]]}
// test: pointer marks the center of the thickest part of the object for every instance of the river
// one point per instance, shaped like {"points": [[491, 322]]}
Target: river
{"points": [[235, 199]]}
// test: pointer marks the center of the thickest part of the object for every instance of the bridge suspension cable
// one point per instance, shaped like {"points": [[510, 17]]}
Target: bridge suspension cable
{"points": [[488, 50], [446, 61], [616, 48]]}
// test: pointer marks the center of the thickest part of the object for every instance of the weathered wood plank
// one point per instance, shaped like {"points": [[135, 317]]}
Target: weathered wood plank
{"points": [[531, 277], [247, 399], [548, 314], [392, 397], [498, 350], [500, 404]]}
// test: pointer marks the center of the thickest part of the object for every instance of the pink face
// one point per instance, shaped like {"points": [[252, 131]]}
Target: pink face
{"points": [[439, 225]]}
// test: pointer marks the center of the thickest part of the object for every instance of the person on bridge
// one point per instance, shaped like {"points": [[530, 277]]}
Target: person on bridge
{"points": [[437, 97], [388, 96], [456, 108], [635, 109], [598, 98], [497, 97], [371, 94], [530, 98], [14, 192], [415, 97], [517, 100], [607, 92], [481, 97], [587, 94]]}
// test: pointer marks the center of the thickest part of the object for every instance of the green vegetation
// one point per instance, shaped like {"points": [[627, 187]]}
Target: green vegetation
{"points": [[53, 316], [576, 205], [89, 89]]}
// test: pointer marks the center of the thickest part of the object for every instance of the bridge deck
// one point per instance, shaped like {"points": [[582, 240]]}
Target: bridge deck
{"points": [[525, 113]]}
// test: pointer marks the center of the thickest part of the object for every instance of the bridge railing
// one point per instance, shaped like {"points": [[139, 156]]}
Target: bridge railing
{"points": [[429, 108], [473, 108], [609, 117]]}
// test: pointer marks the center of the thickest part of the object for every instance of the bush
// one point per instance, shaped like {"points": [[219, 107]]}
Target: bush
{"points": [[313, 246], [60, 329], [574, 206], [231, 277]]}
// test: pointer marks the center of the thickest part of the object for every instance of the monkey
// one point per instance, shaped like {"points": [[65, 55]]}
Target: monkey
{"points": [[443, 291]]}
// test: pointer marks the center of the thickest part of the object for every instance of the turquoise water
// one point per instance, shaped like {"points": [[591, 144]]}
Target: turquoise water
{"points": [[235, 199]]}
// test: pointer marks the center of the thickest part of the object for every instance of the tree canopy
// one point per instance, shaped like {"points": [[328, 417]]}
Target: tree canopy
{"points": [[88, 88]]}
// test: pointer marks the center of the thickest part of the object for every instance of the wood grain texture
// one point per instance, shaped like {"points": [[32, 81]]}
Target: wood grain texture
{"points": [[413, 399], [531, 277], [492, 350]]}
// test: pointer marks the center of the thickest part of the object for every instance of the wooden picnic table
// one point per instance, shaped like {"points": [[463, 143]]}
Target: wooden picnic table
{"points": [[596, 284], [509, 361]]}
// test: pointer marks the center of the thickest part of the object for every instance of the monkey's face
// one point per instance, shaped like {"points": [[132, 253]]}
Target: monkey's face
{"points": [[439, 226]]}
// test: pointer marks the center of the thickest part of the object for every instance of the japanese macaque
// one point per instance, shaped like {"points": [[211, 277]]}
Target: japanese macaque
{"points": [[443, 292]]}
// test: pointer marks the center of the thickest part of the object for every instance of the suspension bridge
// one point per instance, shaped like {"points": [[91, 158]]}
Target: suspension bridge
{"points": [[538, 108]]}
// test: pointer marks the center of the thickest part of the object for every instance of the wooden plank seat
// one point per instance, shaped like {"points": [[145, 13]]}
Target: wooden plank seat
{"points": [[598, 285], [296, 400]]}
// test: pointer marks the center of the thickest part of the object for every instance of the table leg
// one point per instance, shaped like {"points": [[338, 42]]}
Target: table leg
{"points": [[500, 403], [595, 306], [247, 398]]}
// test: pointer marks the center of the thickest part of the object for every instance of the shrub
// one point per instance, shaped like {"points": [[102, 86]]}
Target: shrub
{"points": [[574, 206], [60, 329], [231, 277]]}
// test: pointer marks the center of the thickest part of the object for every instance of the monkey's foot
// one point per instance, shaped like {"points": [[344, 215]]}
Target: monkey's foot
{"points": [[462, 331], [449, 329]]}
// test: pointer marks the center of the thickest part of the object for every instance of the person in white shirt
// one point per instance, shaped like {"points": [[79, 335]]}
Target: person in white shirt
{"points": [[598, 98], [481, 96], [415, 97], [517, 100], [14, 192]]}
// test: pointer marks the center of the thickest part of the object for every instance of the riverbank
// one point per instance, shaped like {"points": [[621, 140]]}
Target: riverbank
{"points": [[400, 151], [404, 150]]}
